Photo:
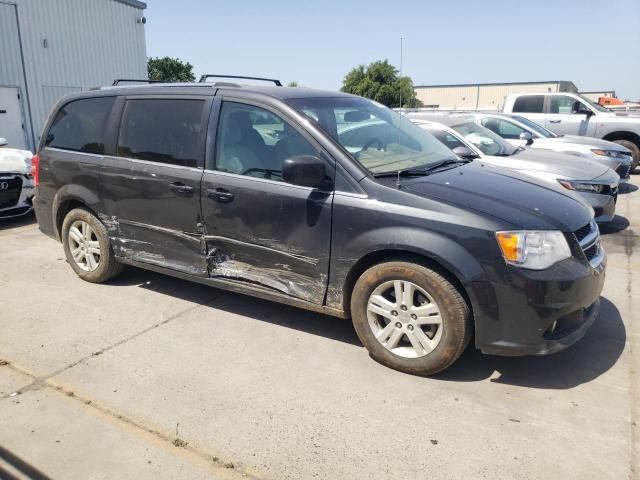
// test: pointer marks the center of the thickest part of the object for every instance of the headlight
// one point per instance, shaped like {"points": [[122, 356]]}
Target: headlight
{"points": [[581, 186], [535, 250], [610, 153]]}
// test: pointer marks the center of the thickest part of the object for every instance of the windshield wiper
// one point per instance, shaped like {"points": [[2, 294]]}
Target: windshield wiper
{"points": [[424, 170], [448, 162]]}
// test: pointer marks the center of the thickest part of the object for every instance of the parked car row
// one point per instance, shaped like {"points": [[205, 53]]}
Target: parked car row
{"points": [[522, 132], [16, 182], [566, 113], [329, 202], [593, 181]]}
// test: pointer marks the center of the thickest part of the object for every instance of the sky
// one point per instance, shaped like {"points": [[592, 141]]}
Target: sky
{"points": [[594, 43]]}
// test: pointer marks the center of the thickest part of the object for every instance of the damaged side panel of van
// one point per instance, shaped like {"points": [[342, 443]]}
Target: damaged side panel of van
{"points": [[287, 272], [271, 234]]}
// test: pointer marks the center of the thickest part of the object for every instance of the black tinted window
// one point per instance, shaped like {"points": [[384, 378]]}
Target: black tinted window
{"points": [[81, 125], [529, 104], [164, 131]]}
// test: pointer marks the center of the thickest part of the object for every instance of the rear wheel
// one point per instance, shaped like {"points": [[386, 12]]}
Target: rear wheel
{"points": [[410, 317], [87, 248], [634, 149]]}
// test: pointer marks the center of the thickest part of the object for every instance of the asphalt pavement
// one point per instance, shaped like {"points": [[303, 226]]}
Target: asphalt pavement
{"points": [[153, 377]]}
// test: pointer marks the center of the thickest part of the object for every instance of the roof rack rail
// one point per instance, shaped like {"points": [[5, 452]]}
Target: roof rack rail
{"points": [[204, 78], [132, 80]]}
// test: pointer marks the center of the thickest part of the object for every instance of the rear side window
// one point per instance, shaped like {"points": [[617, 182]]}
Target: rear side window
{"points": [[529, 104], [563, 105], [505, 129], [80, 125], [162, 130]]}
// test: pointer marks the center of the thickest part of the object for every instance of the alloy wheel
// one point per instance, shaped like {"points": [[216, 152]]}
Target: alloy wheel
{"points": [[84, 246], [404, 318]]}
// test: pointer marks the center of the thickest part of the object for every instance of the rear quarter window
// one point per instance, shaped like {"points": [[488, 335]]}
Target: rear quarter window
{"points": [[529, 104], [81, 125]]}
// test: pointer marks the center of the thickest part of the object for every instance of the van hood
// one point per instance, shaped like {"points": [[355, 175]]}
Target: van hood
{"points": [[562, 165], [504, 194]]}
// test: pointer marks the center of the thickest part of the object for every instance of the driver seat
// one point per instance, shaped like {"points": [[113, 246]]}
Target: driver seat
{"points": [[233, 155]]}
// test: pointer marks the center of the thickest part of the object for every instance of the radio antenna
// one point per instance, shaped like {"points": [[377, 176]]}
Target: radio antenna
{"points": [[401, 71]]}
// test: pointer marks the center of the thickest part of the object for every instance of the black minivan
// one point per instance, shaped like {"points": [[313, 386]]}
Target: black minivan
{"points": [[325, 201]]}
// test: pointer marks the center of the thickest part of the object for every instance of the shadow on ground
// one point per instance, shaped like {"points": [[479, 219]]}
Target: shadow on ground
{"points": [[258, 309], [9, 223], [596, 353], [627, 188], [27, 470], [614, 226], [592, 356]]}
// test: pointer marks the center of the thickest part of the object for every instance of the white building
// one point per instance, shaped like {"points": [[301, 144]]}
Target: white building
{"points": [[483, 96], [49, 48]]}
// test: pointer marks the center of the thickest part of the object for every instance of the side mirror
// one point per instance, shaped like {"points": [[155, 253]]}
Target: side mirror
{"points": [[526, 136], [3, 142], [306, 171], [464, 152]]}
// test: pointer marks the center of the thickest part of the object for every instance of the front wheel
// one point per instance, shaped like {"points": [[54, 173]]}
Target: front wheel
{"points": [[87, 248], [410, 317]]}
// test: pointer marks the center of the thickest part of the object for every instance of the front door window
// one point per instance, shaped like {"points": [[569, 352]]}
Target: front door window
{"points": [[255, 142]]}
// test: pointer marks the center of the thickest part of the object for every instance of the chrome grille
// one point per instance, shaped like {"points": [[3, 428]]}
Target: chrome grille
{"points": [[588, 238], [582, 232]]}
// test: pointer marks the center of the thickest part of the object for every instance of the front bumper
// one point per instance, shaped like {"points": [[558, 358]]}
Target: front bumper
{"points": [[604, 205], [22, 203], [537, 312]]}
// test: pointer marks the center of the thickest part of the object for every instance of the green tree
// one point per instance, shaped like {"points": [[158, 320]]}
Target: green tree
{"points": [[379, 81], [167, 69], [293, 84]]}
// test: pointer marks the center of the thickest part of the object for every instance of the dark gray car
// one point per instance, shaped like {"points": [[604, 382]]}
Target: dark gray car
{"points": [[253, 190]]}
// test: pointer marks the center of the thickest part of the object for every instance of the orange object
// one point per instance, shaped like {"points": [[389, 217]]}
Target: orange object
{"points": [[511, 245], [609, 101]]}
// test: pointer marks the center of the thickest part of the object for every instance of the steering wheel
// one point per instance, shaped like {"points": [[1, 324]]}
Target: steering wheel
{"points": [[266, 173]]}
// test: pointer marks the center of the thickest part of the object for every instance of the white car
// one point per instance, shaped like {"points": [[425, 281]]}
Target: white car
{"points": [[16, 181], [522, 132], [568, 113]]}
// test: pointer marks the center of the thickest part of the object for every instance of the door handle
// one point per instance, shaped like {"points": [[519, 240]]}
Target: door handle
{"points": [[180, 187], [220, 194], [555, 121]]}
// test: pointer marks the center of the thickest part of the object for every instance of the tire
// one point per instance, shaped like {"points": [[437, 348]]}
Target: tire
{"points": [[634, 148], [95, 238], [447, 340]]}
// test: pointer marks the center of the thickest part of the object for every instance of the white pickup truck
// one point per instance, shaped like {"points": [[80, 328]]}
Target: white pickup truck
{"points": [[572, 114]]}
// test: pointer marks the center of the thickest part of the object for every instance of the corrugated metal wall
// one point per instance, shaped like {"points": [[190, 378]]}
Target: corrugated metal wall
{"points": [[463, 97], [71, 45], [11, 70]]}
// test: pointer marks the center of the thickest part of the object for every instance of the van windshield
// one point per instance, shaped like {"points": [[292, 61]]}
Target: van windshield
{"points": [[381, 140]]}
